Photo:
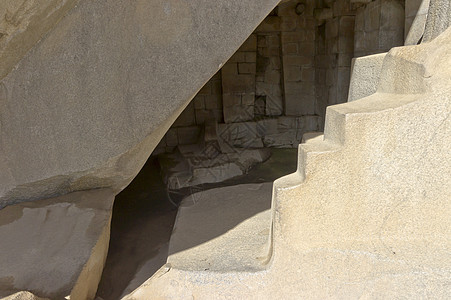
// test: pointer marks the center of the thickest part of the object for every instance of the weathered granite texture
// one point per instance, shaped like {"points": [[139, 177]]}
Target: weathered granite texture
{"points": [[55, 247], [23, 296], [365, 75], [366, 215], [87, 105], [438, 19], [23, 24]]}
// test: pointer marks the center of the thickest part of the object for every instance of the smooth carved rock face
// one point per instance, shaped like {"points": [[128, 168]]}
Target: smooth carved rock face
{"points": [[87, 105]]}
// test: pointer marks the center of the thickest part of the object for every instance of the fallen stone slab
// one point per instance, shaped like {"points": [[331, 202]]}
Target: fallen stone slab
{"points": [[55, 247]]}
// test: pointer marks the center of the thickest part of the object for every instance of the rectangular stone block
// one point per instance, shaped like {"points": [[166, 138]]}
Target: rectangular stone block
{"points": [[242, 83], [389, 39], [310, 35], [238, 133], [308, 74], [359, 19], [288, 24], [213, 102], [320, 77], [273, 40], [261, 40], [332, 45], [290, 49], [202, 115], [274, 104], [266, 126], [299, 88], [293, 37], [392, 15], [309, 123], [272, 77], [274, 51], [372, 15], [250, 57], [346, 44], [248, 99], [247, 68], [342, 8], [332, 28], [359, 41], [285, 123], [292, 73], [275, 63], [372, 42], [229, 100], [307, 48], [286, 139], [298, 60], [238, 113], [299, 104], [346, 25], [331, 77]]}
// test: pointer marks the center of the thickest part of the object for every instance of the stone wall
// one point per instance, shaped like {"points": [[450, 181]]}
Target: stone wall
{"points": [[379, 26], [297, 62], [334, 46]]}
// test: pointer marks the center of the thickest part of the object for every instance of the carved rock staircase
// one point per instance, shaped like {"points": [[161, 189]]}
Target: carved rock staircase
{"points": [[366, 215]]}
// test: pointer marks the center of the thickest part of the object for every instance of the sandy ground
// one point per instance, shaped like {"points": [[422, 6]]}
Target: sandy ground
{"points": [[143, 217]]}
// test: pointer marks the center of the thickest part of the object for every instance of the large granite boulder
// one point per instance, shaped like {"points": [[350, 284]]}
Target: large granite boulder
{"points": [[86, 106], [23, 24]]}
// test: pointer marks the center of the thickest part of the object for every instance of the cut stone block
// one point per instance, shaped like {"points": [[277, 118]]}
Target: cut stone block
{"points": [[223, 229], [56, 247], [365, 76]]}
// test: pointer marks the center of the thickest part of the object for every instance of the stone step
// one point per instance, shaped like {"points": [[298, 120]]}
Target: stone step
{"points": [[223, 229]]}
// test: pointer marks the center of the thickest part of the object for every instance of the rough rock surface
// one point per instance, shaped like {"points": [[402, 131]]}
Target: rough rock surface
{"points": [[438, 19], [23, 23], [55, 247], [365, 76], [86, 106], [23, 296], [189, 168]]}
